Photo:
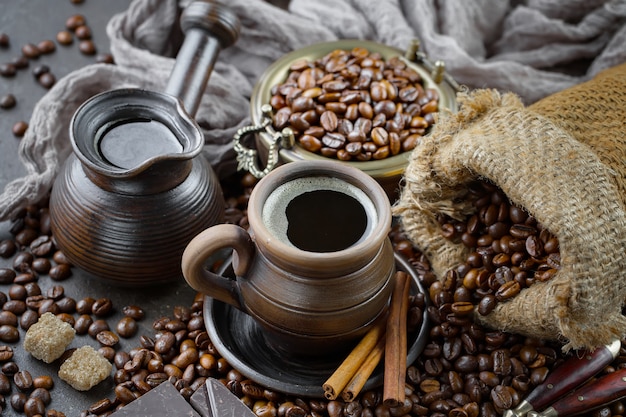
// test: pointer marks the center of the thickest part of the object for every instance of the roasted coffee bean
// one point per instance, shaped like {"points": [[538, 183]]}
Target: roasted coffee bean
{"points": [[127, 327], [7, 275], [60, 258], [41, 246], [7, 101], [20, 62], [120, 359], [68, 318], [18, 400], [102, 307], [23, 380], [83, 32], [107, 352], [134, 312], [19, 128], [10, 368], [6, 353], [66, 305], [34, 302], [107, 338], [47, 80], [28, 318], [96, 327], [75, 21], [65, 37], [7, 70], [84, 306], [34, 406], [5, 40], [48, 306], [87, 47], [16, 307], [31, 51], [55, 292], [60, 272], [46, 46], [26, 236], [44, 381], [17, 292], [7, 248], [164, 342], [101, 406], [146, 342], [41, 265], [5, 384], [105, 59], [8, 317]]}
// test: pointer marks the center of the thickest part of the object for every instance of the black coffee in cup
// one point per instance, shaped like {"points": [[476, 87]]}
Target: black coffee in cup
{"points": [[319, 214]]}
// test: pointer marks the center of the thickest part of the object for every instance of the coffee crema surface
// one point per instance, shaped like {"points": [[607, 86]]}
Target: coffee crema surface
{"points": [[319, 214]]}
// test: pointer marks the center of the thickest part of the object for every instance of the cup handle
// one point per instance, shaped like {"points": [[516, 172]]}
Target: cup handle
{"points": [[205, 244]]}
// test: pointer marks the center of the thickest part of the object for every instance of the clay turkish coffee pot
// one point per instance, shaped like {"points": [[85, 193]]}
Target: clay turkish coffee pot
{"points": [[136, 188]]}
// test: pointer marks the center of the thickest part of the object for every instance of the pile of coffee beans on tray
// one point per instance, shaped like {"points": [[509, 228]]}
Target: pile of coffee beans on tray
{"points": [[510, 251], [354, 105]]}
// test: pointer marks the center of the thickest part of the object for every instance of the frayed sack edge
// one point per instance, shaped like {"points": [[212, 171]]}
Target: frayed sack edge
{"points": [[494, 138]]}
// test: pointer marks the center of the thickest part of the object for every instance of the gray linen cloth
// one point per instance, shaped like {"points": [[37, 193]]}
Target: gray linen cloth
{"points": [[531, 47]]}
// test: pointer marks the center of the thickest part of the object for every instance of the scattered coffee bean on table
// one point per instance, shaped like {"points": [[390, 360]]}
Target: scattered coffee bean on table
{"points": [[31, 51], [19, 128], [20, 62], [75, 21], [87, 47], [47, 46], [83, 32], [5, 40], [7, 70], [39, 70], [8, 101], [65, 37], [47, 80]]}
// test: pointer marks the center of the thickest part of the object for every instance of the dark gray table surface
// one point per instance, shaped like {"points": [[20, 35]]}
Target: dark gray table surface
{"points": [[33, 21]]}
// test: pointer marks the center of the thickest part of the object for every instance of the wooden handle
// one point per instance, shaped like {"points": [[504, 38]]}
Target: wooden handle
{"points": [[604, 390], [571, 374]]}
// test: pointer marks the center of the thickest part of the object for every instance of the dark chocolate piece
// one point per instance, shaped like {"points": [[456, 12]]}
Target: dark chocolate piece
{"points": [[161, 401], [224, 403], [200, 401]]}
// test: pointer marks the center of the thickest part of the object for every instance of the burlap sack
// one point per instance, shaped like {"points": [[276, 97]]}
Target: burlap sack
{"points": [[564, 160]]}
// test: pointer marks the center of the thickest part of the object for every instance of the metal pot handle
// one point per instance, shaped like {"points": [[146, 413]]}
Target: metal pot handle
{"points": [[247, 157]]}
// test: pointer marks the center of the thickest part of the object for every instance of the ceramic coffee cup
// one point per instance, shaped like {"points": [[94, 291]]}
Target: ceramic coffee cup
{"points": [[315, 267]]}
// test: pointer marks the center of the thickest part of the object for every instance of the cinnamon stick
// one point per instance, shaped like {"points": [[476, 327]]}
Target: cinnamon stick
{"points": [[361, 376], [349, 367], [396, 341]]}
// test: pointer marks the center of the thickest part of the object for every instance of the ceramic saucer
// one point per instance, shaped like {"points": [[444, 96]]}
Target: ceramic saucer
{"points": [[240, 340]]}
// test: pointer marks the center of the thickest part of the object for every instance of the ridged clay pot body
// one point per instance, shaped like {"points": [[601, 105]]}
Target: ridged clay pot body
{"points": [[137, 188]]}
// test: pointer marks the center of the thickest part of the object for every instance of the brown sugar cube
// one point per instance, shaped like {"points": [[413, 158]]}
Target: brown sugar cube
{"points": [[47, 339], [85, 369]]}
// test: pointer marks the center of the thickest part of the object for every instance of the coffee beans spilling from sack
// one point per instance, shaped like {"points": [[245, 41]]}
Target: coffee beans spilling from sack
{"points": [[354, 105], [509, 251], [562, 160]]}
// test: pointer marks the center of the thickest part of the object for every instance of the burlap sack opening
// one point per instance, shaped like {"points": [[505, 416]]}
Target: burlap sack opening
{"points": [[564, 160]]}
